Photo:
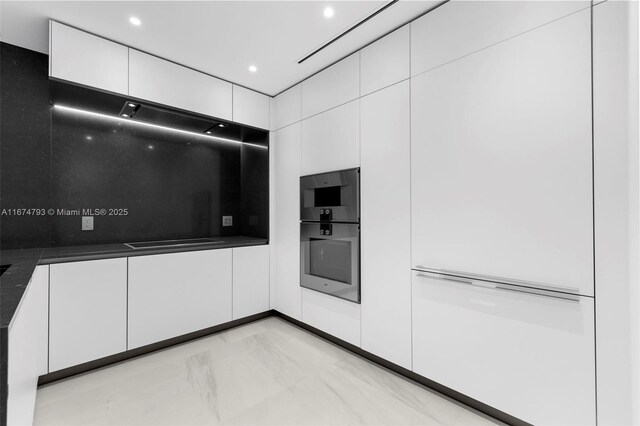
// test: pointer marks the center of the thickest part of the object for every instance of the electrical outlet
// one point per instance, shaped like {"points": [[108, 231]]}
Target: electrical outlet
{"points": [[87, 223], [227, 220]]}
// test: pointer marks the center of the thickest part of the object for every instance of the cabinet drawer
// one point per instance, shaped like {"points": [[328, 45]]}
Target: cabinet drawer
{"points": [[528, 355]]}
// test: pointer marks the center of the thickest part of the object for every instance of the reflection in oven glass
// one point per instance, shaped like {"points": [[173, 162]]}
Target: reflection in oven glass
{"points": [[330, 259]]}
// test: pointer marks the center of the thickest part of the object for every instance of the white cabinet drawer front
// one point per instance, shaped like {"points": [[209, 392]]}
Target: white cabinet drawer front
{"points": [[250, 107], [331, 140], [502, 163], [288, 107], [250, 281], [338, 317], [178, 293], [88, 311], [385, 62], [459, 28], [87, 59], [164, 82], [331, 87], [530, 356]]}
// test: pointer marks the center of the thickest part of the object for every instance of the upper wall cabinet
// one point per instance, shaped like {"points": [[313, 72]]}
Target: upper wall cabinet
{"points": [[288, 107], [338, 84], [161, 81], [251, 108], [83, 58], [385, 62], [331, 140], [458, 28]]}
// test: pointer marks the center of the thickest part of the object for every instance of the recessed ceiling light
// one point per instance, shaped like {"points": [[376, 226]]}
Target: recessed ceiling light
{"points": [[89, 137], [208, 132], [150, 146], [125, 115], [221, 125], [328, 12], [253, 68], [135, 21], [132, 105]]}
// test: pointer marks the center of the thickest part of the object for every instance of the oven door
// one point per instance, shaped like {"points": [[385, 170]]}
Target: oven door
{"points": [[333, 196], [330, 259]]}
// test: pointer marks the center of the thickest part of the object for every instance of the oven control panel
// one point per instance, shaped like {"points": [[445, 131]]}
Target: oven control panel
{"points": [[325, 229], [326, 214]]}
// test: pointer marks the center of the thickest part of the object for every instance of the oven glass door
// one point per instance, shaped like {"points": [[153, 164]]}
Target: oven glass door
{"points": [[330, 259]]}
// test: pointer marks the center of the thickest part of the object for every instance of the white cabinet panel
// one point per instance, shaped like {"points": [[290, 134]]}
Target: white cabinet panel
{"points": [[250, 107], [338, 317], [288, 295], [164, 82], [459, 28], [28, 349], [178, 293], [336, 85], [331, 140], [250, 281], [527, 355], [87, 59], [386, 235], [273, 265], [614, 145], [501, 160], [386, 61], [88, 311], [288, 107]]}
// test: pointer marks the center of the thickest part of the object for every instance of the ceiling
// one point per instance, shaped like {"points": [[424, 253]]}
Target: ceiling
{"points": [[221, 38]]}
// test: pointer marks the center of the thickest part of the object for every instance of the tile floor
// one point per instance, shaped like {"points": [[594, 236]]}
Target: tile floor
{"points": [[265, 373]]}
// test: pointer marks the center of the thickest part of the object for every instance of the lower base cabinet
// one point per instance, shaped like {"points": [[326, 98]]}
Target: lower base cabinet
{"points": [[527, 355], [250, 281], [178, 293], [87, 311]]}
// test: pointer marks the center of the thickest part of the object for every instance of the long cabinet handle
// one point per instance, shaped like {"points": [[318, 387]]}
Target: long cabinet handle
{"points": [[499, 280], [504, 287]]}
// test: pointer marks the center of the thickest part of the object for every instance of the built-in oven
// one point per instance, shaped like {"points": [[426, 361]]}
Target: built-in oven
{"points": [[330, 233]]}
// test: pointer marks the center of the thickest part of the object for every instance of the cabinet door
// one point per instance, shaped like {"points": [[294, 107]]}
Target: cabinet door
{"points": [[459, 28], [178, 293], [288, 107], [336, 85], [164, 82], [88, 311], [385, 62], [250, 107], [528, 355], [335, 316], [27, 350], [83, 58], [288, 295], [386, 235], [501, 160], [250, 281], [331, 140]]}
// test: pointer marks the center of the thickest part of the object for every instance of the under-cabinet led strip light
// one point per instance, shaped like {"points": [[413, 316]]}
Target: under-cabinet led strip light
{"points": [[155, 126]]}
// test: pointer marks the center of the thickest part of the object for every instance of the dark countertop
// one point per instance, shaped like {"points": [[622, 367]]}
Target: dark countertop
{"points": [[14, 281]]}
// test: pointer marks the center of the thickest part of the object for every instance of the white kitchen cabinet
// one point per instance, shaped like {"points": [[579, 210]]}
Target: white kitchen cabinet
{"points": [[336, 85], [251, 108], [288, 107], [501, 160], [250, 281], [459, 28], [28, 346], [530, 356], [287, 235], [385, 62], [331, 140], [87, 311], [157, 80], [386, 218], [273, 252], [86, 59], [614, 145], [337, 317], [178, 293]]}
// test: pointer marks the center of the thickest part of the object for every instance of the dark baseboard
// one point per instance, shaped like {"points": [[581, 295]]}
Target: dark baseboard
{"points": [[145, 350], [408, 374], [445, 391]]}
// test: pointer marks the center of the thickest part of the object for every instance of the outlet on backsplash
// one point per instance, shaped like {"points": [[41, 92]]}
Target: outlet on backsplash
{"points": [[87, 223], [227, 220]]}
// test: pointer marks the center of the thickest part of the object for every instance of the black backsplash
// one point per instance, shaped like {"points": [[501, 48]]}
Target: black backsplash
{"points": [[152, 183]]}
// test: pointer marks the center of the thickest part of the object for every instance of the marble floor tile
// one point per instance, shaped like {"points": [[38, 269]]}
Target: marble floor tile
{"points": [[265, 373]]}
